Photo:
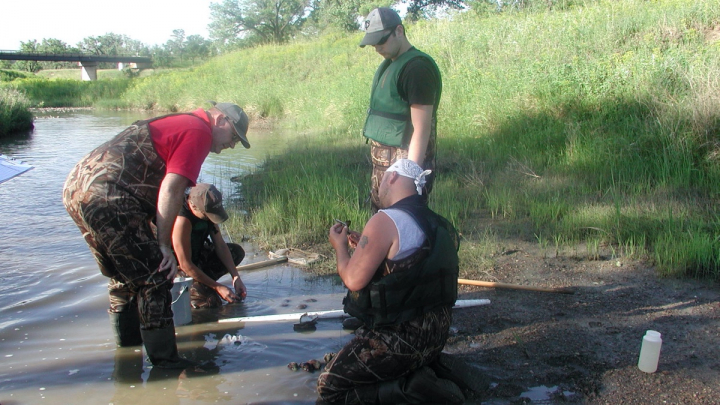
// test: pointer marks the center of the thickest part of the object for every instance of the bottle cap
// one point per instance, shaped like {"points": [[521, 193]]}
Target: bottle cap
{"points": [[653, 335]]}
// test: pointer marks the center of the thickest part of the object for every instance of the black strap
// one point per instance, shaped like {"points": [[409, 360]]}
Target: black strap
{"points": [[392, 116]]}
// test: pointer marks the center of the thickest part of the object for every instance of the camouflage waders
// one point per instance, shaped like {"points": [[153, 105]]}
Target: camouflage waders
{"points": [[201, 295], [383, 156], [354, 375], [112, 194]]}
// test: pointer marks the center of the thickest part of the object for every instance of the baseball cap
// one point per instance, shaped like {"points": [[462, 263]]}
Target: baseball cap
{"points": [[208, 199], [238, 119], [378, 21]]}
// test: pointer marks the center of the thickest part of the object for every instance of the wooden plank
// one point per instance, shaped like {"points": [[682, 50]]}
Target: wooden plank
{"points": [[490, 284], [264, 263]]}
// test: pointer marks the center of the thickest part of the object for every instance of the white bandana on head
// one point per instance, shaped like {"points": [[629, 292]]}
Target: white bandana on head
{"points": [[410, 169]]}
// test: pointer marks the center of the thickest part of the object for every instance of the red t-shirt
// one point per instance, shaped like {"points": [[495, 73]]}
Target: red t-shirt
{"points": [[183, 142]]}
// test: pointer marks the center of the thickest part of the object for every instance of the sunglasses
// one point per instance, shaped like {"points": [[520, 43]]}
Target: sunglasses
{"points": [[386, 37], [236, 137]]}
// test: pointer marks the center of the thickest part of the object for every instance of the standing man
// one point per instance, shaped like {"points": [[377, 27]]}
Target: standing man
{"points": [[402, 282], [402, 118], [201, 259], [115, 193]]}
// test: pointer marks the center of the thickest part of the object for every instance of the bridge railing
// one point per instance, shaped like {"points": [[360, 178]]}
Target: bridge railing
{"points": [[73, 57]]}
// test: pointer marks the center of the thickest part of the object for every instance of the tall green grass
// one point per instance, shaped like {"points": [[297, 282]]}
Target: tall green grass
{"points": [[72, 93], [14, 113], [594, 124]]}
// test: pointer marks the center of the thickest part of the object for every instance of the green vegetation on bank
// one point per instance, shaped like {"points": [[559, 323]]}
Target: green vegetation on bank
{"points": [[14, 113], [72, 93], [595, 124]]}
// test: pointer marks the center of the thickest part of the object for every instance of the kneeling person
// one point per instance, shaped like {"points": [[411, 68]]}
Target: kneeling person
{"points": [[201, 259], [402, 282]]}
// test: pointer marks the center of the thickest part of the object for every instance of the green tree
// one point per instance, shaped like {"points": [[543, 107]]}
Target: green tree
{"points": [[342, 14], [112, 44], [417, 9], [29, 65], [260, 21], [176, 44], [161, 56], [55, 46], [197, 47]]}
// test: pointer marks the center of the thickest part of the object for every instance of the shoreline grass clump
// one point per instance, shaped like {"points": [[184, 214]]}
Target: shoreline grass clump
{"points": [[15, 115], [72, 93]]}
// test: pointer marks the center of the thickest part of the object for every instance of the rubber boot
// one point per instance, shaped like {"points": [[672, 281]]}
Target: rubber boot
{"points": [[420, 387], [126, 326], [162, 350], [466, 376], [128, 366]]}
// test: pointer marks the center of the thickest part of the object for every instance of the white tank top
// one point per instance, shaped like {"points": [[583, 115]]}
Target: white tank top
{"points": [[411, 236]]}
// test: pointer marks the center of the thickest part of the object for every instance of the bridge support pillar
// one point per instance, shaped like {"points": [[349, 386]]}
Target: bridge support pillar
{"points": [[89, 70]]}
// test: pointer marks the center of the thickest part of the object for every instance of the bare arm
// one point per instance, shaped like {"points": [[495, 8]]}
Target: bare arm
{"points": [[377, 242], [421, 117], [170, 199], [182, 234], [223, 252]]}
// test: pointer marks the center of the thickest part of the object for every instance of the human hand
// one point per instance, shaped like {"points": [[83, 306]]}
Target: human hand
{"points": [[226, 293], [338, 236], [240, 288], [353, 238], [168, 262]]}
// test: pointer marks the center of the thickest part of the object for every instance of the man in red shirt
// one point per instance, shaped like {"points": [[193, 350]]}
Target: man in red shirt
{"points": [[115, 193]]}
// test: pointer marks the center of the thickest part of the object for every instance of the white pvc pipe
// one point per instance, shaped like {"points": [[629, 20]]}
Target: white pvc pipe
{"points": [[337, 313]]}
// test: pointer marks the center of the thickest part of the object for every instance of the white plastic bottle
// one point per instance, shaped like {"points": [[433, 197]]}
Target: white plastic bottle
{"points": [[650, 351]]}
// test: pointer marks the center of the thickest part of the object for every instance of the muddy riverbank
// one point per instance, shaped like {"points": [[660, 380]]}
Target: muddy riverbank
{"points": [[539, 347]]}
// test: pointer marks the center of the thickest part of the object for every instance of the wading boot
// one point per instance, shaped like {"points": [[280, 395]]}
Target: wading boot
{"points": [[420, 387], [466, 376], [128, 366], [126, 327], [162, 350]]}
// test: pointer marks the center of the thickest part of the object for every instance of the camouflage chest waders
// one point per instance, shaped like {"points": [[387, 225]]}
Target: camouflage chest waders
{"points": [[112, 194], [384, 353]]}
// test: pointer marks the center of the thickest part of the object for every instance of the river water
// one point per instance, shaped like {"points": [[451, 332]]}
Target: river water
{"points": [[56, 344]]}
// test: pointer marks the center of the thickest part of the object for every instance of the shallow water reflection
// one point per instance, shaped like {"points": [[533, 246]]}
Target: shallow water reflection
{"points": [[56, 343]]}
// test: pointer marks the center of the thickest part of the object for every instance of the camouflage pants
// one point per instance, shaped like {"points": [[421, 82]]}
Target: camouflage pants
{"points": [[122, 239], [201, 295], [383, 354], [384, 156], [111, 194]]}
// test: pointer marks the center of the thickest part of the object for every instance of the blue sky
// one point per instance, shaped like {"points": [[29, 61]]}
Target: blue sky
{"points": [[149, 21]]}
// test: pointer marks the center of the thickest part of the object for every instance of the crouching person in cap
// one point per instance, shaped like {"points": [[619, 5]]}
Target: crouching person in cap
{"points": [[402, 282], [201, 251], [115, 193]]}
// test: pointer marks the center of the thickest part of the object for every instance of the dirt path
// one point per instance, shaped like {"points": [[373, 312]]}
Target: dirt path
{"points": [[585, 346]]}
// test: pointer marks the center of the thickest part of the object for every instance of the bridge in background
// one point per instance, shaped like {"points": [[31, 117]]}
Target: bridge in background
{"points": [[88, 63]]}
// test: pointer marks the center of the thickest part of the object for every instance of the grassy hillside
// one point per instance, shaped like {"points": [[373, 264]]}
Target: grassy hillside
{"points": [[595, 124]]}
